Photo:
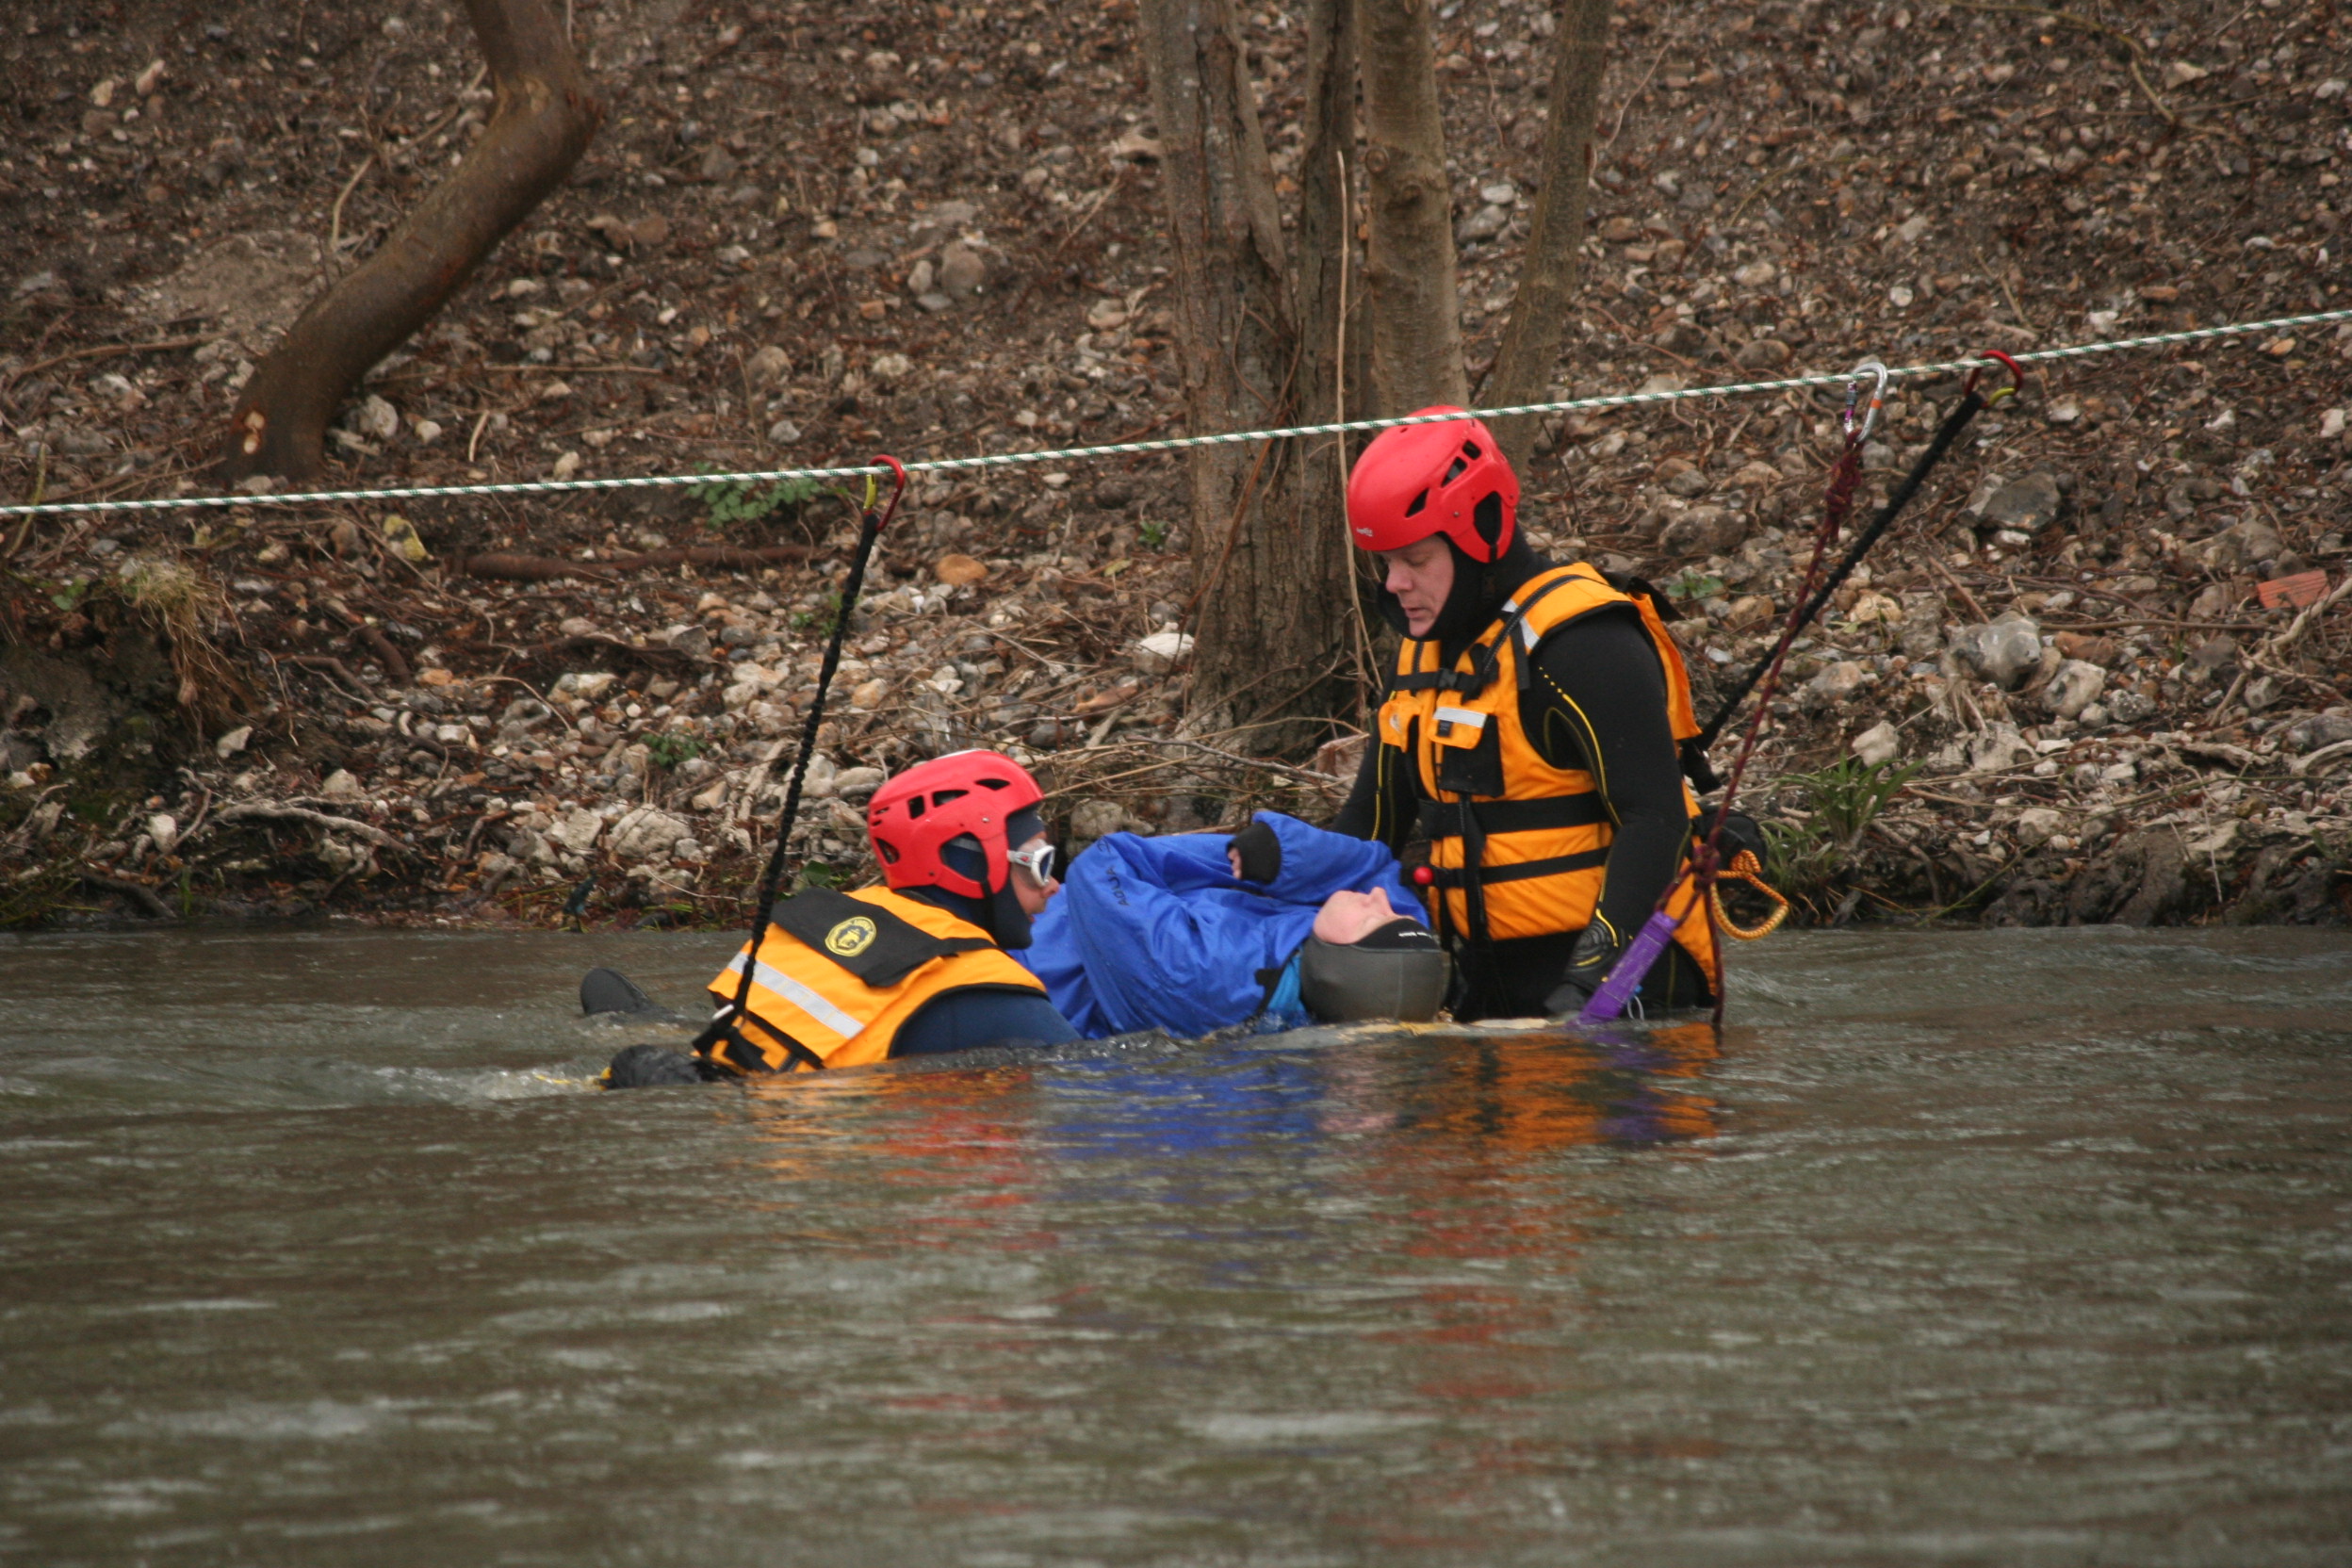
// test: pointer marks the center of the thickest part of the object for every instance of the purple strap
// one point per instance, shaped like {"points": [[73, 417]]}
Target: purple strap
{"points": [[1632, 966]]}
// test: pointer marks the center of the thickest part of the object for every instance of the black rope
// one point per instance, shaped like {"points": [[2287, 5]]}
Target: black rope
{"points": [[772, 881], [1971, 404]]}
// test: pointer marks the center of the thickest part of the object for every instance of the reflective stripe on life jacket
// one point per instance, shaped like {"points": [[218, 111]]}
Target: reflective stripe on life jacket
{"points": [[839, 973], [1520, 847]]}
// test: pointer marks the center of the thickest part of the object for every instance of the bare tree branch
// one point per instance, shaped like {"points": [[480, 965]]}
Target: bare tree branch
{"points": [[1553, 264], [1326, 242]]}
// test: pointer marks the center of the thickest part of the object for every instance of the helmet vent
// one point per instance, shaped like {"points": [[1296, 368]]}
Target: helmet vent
{"points": [[1487, 517], [1418, 502], [1453, 470], [915, 804]]}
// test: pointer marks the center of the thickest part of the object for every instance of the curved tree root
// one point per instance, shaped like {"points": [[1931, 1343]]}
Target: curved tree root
{"points": [[543, 121]]}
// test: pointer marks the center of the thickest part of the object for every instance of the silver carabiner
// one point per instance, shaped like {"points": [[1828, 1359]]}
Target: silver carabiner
{"points": [[1878, 398]]}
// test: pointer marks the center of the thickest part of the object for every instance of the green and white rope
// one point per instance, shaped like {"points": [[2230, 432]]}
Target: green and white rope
{"points": [[1170, 444]]}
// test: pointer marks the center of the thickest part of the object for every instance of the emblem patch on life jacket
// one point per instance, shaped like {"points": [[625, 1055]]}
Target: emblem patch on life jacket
{"points": [[850, 938], [877, 946]]}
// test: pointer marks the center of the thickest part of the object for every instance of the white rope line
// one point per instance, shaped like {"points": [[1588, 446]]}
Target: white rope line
{"points": [[1169, 444]]}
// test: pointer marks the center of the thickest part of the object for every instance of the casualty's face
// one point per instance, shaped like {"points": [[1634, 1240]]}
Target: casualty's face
{"points": [[1033, 896], [1347, 917], [1419, 576]]}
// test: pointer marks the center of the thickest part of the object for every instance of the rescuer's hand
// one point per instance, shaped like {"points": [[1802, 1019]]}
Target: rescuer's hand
{"points": [[1589, 963]]}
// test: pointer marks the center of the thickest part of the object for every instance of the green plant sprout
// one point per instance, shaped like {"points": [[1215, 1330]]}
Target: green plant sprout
{"points": [[822, 618], [727, 503], [1691, 584]]}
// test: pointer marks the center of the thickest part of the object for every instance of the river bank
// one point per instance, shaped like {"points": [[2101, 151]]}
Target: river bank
{"points": [[644, 789]]}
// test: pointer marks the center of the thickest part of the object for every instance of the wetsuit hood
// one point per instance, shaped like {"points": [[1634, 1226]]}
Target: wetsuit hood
{"points": [[1396, 971], [1480, 587]]}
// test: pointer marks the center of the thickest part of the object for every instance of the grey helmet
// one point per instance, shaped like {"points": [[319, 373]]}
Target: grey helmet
{"points": [[1397, 972]]}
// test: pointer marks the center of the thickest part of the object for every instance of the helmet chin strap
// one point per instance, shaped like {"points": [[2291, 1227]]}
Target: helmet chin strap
{"points": [[996, 910]]}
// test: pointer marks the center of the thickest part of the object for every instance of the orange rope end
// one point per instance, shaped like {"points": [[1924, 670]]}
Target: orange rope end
{"points": [[1746, 868]]}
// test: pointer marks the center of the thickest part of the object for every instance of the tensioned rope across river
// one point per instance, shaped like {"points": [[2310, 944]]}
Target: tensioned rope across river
{"points": [[1169, 444]]}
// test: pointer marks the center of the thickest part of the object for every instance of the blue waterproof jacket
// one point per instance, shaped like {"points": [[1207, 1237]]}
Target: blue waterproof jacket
{"points": [[1158, 932]]}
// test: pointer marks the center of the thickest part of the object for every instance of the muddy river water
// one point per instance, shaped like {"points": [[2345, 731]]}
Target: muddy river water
{"points": [[2026, 1248]]}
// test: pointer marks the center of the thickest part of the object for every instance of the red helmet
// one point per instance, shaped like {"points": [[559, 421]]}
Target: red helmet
{"points": [[1446, 478], [912, 818]]}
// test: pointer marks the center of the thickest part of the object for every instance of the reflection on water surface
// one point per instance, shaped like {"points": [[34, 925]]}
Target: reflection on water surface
{"points": [[2014, 1248]]}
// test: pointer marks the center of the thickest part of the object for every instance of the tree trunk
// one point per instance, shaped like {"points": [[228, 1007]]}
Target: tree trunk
{"points": [[543, 121], [1329, 276], [1554, 265], [1416, 310], [1325, 240], [1267, 607]]}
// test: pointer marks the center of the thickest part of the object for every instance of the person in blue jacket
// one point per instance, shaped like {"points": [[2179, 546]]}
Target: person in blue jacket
{"points": [[1282, 924]]}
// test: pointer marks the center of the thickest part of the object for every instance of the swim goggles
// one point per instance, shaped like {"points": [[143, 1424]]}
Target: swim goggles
{"points": [[1037, 863]]}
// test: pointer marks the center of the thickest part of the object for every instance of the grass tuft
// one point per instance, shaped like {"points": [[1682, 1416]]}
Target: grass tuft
{"points": [[1823, 817], [189, 609]]}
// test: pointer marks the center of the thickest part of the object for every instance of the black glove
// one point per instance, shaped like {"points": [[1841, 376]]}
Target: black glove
{"points": [[1741, 832], [1589, 963], [1259, 852]]}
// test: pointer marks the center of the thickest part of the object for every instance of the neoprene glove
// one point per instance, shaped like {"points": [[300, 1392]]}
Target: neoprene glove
{"points": [[1589, 963], [1260, 853]]}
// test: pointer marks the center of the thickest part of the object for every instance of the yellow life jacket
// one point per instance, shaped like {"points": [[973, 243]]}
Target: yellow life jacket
{"points": [[1520, 848], [839, 973]]}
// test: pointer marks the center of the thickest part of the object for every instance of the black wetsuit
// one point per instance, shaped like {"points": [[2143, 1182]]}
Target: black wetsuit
{"points": [[970, 1017], [1597, 703]]}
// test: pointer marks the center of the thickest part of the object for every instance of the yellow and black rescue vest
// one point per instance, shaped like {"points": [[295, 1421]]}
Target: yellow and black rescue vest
{"points": [[839, 973], [1519, 847]]}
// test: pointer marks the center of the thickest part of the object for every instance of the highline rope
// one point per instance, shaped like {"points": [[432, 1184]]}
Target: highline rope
{"points": [[1169, 444]]}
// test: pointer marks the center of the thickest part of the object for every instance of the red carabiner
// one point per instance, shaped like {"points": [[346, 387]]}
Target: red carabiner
{"points": [[898, 488], [2017, 376]]}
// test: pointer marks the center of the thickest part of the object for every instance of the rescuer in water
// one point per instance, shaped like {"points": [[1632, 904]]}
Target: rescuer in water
{"points": [[1532, 731], [914, 968]]}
